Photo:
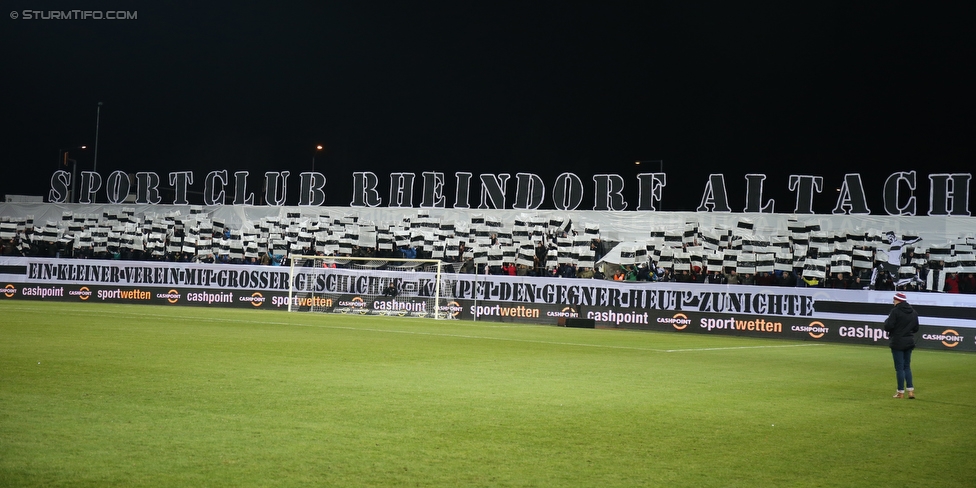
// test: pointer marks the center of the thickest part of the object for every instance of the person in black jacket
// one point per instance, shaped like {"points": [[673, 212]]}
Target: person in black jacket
{"points": [[391, 290], [901, 325]]}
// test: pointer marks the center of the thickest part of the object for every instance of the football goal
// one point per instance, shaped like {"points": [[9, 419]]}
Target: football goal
{"points": [[366, 286]]}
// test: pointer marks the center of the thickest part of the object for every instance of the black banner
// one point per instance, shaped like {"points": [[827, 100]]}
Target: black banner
{"points": [[755, 324], [795, 328]]}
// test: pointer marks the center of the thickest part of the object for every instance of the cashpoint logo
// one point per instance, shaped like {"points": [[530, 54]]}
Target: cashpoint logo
{"points": [[566, 312], [816, 329], [356, 304], [863, 332], [679, 321], [83, 293], [256, 299], [9, 291], [948, 338], [394, 307], [452, 309], [171, 296]]}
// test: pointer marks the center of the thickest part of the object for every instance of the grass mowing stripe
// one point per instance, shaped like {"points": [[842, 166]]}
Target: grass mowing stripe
{"points": [[562, 343], [151, 396], [467, 336]]}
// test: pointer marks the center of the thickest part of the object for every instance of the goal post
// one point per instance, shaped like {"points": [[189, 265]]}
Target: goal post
{"points": [[366, 286]]}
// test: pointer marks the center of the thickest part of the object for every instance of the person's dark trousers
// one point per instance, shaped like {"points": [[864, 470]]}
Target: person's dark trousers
{"points": [[903, 368]]}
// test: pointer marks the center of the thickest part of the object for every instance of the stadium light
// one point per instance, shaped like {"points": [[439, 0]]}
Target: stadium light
{"points": [[317, 149], [63, 160], [660, 163]]}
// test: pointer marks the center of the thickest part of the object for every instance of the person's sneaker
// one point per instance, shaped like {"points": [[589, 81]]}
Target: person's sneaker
{"points": [[911, 394], [899, 394]]}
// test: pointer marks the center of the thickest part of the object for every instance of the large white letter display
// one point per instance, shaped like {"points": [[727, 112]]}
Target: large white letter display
{"points": [[948, 192]]}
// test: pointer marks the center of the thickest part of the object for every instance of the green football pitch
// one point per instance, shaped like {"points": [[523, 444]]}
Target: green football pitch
{"points": [[126, 395]]}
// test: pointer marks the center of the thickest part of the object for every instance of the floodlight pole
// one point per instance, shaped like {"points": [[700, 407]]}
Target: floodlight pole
{"points": [[98, 118], [74, 182]]}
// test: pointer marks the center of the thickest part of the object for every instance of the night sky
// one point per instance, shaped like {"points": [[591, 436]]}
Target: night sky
{"points": [[778, 88]]}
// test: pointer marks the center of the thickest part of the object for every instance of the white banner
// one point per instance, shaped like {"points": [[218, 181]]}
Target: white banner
{"points": [[934, 308]]}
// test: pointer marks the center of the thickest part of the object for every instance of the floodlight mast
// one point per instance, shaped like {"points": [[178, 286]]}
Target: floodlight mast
{"points": [[98, 119]]}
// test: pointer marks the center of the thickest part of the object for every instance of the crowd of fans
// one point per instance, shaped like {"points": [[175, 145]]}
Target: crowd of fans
{"points": [[543, 263], [859, 279]]}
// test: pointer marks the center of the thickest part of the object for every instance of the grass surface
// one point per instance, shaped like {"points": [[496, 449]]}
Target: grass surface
{"points": [[121, 395]]}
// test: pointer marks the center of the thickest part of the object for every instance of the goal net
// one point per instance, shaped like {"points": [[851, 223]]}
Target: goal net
{"points": [[366, 286]]}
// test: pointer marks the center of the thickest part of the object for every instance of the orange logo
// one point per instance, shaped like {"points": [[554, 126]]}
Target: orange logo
{"points": [[951, 335], [947, 333], [948, 338], [359, 303], [680, 321], [84, 293], [817, 329], [453, 309], [9, 291]]}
